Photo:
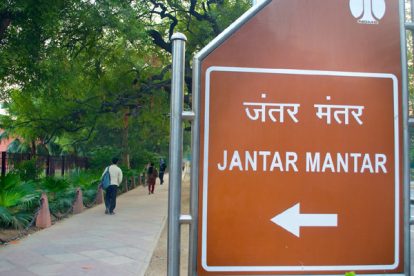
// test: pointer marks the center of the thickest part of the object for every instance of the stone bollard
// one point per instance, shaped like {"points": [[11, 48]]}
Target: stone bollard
{"points": [[99, 195], [78, 204], [43, 219]]}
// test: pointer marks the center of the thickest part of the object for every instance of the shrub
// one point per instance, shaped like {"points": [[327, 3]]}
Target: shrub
{"points": [[87, 181], [27, 170], [60, 193], [17, 201], [101, 157], [52, 185]]}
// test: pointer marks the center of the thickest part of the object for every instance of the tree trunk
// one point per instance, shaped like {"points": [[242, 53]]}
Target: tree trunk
{"points": [[125, 145], [33, 148], [5, 23]]}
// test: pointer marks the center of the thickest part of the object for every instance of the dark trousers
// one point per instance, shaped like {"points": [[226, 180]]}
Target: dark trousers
{"points": [[110, 198], [151, 187], [161, 176]]}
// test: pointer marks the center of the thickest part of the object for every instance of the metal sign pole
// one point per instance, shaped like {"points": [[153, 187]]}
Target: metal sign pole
{"points": [[195, 141], [176, 154]]}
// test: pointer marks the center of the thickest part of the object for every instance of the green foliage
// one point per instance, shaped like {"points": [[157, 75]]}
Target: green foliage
{"points": [[53, 185], [18, 147], [92, 78], [61, 201], [84, 179], [89, 196], [350, 273], [27, 170], [127, 173], [100, 157], [87, 181], [17, 200], [62, 191]]}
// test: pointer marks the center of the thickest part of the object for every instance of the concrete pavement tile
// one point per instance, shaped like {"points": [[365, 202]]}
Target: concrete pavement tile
{"points": [[102, 233], [17, 272], [135, 268], [97, 254], [87, 267], [6, 266], [50, 250], [130, 252], [95, 270], [78, 239], [118, 260], [47, 270], [66, 258], [144, 244], [76, 246], [108, 244], [68, 241], [26, 258]]}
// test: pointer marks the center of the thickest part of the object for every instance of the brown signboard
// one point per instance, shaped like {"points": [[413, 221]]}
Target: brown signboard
{"points": [[300, 146]]}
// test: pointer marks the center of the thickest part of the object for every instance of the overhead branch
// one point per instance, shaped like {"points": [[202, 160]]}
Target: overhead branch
{"points": [[161, 10], [84, 139], [6, 18], [159, 41], [206, 16]]}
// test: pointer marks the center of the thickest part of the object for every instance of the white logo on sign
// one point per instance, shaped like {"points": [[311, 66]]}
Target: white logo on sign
{"points": [[367, 11]]}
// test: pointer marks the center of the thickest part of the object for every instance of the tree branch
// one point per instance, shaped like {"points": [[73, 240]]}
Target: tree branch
{"points": [[159, 41]]}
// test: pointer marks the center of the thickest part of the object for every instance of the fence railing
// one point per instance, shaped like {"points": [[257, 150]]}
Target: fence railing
{"points": [[52, 165]]}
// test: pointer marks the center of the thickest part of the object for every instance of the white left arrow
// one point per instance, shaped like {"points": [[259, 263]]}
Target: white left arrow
{"points": [[292, 220]]}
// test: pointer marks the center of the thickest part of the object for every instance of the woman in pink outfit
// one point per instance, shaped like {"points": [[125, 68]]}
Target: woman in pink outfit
{"points": [[152, 175]]}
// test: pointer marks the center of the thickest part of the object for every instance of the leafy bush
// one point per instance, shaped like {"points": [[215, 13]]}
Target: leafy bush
{"points": [[62, 201], [60, 193], [101, 157], [27, 170], [17, 201], [53, 185], [87, 181], [84, 179], [147, 157]]}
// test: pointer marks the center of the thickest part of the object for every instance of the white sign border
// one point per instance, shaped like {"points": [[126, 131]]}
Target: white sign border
{"points": [[205, 171]]}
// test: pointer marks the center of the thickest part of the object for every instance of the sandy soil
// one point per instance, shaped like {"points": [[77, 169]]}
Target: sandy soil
{"points": [[158, 264]]}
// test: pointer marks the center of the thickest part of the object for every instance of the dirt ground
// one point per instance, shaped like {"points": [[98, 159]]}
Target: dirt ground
{"points": [[13, 236], [158, 264]]}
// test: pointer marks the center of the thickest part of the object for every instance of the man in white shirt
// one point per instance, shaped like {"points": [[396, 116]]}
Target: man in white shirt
{"points": [[116, 178]]}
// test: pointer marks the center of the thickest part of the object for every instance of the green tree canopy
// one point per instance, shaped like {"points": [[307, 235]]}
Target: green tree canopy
{"points": [[80, 76]]}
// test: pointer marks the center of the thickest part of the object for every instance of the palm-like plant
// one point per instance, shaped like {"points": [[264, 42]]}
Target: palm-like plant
{"points": [[16, 146], [60, 193], [87, 181], [17, 200]]}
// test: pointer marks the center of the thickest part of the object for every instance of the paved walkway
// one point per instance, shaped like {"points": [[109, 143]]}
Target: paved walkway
{"points": [[92, 243]]}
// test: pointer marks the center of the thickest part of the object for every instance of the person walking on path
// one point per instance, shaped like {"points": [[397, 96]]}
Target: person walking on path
{"points": [[116, 178], [152, 174], [163, 166]]}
